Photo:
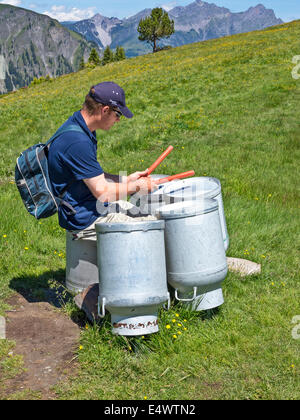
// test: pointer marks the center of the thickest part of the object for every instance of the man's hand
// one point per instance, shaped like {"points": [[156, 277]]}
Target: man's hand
{"points": [[142, 185], [136, 175]]}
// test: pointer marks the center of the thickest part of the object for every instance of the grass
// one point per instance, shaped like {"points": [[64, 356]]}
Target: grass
{"points": [[230, 108]]}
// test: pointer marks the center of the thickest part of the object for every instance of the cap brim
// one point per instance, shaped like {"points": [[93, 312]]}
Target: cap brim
{"points": [[125, 111]]}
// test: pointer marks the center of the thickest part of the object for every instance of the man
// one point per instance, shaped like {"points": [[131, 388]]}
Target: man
{"points": [[73, 162]]}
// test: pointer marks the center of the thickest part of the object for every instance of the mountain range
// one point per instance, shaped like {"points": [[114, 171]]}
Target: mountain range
{"points": [[198, 21], [34, 45]]}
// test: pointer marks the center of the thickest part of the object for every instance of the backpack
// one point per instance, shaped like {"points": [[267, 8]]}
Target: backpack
{"points": [[33, 181]]}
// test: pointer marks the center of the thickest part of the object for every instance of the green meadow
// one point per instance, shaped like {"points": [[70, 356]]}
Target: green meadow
{"points": [[230, 107]]}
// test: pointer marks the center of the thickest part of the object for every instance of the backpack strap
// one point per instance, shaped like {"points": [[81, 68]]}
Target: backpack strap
{"points": [[62, 130]]}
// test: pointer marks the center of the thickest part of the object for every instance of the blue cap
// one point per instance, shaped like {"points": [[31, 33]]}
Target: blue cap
{"points": [[111, 94]]}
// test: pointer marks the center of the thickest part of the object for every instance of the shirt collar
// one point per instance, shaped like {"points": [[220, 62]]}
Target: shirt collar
{"points": [[78, 118]]}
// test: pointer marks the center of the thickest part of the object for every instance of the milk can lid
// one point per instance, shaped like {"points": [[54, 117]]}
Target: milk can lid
{"points": [[187, 209], [194, 187], [130, 227]]}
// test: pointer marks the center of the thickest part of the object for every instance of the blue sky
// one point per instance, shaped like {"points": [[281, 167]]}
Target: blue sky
{"points": [[287, 10]]}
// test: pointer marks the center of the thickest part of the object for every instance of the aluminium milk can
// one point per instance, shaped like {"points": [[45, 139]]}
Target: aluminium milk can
{"points": [[132, 275], [195, 254], [81, 263], [197, 188]]}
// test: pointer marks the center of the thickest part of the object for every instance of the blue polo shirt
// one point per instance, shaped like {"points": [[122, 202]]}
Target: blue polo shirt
{"points": [[73, 157]]}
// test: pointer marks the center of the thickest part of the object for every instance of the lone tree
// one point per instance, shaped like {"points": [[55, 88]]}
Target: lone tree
{"points": [[156, 26]]}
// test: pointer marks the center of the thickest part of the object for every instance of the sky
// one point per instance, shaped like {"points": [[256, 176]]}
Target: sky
{"points": [[73, 10]]}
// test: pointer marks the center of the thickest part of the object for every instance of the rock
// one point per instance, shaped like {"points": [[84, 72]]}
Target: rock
{"points": [[243, 267]]}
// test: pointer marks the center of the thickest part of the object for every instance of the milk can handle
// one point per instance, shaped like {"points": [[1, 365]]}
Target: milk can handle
{"points": [[102, 314], [186, 300], [168, 304]]}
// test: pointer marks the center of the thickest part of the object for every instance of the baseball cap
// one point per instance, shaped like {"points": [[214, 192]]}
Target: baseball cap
{"points": [[111, 94]]}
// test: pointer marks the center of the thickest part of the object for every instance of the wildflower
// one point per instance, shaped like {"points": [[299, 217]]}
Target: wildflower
{"points": [[177, 315], [179, 332], [26, 248], [256, 198], [145, 397], [24, 231], [263, 256], [86, 327], [292, 366], [80, 347], [173, 320], [174, 336], [179, 325], [4, 236], [168, 326], [185, 320], [185, 328]]}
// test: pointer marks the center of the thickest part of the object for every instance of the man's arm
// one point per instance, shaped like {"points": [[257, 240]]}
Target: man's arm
{"points": [[114, 178], [106, 191]]}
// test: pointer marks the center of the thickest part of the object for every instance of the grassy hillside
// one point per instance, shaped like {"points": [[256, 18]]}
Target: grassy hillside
{"points": [[230, 108]]}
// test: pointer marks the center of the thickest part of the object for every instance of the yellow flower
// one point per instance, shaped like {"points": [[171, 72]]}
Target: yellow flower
{"points": [[177, 315], [179, 332], [174, 336], [145, 397], [168, 326], [179, 325], [80, 347], [185, 328], [185, 320], [26, 248], [173, 320], [4, 236]]}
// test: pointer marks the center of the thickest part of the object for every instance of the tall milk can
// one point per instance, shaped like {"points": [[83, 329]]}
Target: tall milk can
{"points": [[132, 275], [195, 254], [81, 263], [198, 188]]}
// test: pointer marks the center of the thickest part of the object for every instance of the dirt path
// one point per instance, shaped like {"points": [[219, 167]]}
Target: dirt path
{"points": [[46, 339]]}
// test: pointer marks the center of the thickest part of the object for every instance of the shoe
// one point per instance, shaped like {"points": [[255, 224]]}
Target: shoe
{"points": [[87, 301]]}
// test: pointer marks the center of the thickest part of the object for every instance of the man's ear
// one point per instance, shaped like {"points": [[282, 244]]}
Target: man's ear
{"points": [[105, 109]]}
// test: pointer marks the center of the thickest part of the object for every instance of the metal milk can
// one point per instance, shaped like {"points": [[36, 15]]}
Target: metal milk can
{"points": [[197, 188], [195, 254], [132, 275]]}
